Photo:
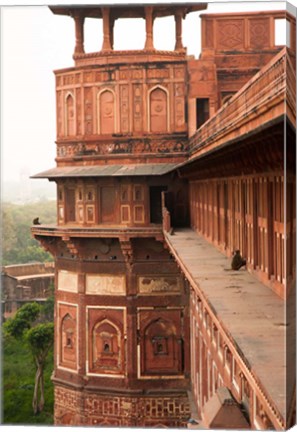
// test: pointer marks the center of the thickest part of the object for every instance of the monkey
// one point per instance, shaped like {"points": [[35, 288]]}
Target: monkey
{"points": [[237, 261], [36, 221]]}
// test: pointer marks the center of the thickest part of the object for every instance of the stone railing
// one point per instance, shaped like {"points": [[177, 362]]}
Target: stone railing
{"points": [[263, 91], [133, 56], [166, 217], [291, 90]]}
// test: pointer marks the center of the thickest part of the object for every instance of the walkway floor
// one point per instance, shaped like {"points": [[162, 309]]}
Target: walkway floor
{"points": [[252, 313]]}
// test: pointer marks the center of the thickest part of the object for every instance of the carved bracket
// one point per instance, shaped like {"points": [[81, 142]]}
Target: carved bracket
{"points": [[49, 244], [127, 251], [71, 245]]}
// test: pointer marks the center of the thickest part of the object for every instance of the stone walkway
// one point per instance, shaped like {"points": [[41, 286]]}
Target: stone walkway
{"points": [[252, 313]]}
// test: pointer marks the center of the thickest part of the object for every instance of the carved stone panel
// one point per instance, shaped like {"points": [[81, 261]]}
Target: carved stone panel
{"points": [[106, 341], [158, 73], [107, 201], [67, 281], [137, 108], [88, 99], [209, 34], [159, 284], [138, 213], [78, 112], [179, 72], [259, 33], [105, 284], [230, 34], [179, 105], [124, 108], [60, 105]]}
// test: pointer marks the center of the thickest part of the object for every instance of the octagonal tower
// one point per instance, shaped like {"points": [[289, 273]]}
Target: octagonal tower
{"points": [[121, 309]]}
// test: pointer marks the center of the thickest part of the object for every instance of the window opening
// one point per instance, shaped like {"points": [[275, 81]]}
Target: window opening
{"points": [[202, 111], [282, 32], [164, 40], [93, 34], [129, 27]]}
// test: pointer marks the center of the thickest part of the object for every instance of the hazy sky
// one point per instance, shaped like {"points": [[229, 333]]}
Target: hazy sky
{"points": [[34, 42]]}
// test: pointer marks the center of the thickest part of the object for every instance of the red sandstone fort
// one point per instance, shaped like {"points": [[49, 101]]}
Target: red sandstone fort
{"points": [[166, 165]]}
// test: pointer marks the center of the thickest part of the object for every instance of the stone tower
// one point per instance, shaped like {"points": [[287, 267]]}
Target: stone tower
{"points": [[154, 328], [121, 318]]}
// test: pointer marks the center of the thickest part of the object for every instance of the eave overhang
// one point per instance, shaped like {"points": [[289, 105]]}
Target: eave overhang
{"points": [[129, 10], [107, 171]]}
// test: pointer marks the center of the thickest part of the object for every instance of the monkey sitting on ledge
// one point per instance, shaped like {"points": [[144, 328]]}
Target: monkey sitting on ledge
{"points": [[237, 261], [36, 221]]}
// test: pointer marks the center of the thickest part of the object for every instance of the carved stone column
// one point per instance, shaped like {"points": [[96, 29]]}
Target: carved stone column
{"points": [[178, 30], [111, 27], [79, 33], [106, 46], [149, 20]]}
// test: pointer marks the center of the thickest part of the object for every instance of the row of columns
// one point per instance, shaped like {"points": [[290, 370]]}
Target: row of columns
{"points": [[108, 26]]}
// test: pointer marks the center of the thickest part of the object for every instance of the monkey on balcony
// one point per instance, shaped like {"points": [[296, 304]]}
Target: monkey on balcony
{"points": [[237, 261]]}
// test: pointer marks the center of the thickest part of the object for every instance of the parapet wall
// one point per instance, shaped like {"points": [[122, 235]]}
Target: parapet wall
{"points": [[30, 269]]}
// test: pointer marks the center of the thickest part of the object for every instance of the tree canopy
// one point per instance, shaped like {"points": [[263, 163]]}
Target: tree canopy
{"points": [[18, 245], [39, 338]]}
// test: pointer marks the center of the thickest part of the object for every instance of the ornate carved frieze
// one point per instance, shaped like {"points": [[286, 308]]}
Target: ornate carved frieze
{"points": [[127, 146], [152, 284], [105, 284], [91, 409]]}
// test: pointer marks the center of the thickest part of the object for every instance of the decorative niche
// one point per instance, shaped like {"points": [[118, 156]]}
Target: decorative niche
{"points": [[106, 342], [161, 347]]}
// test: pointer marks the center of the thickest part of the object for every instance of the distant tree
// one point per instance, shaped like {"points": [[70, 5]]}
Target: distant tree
{"points": [[9, 239], [23, 320], [49, 304], [18, 245], [39, 339]]}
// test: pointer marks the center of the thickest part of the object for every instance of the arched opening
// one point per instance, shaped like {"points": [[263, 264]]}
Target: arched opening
{"points": [[106, 114], [162, 349], [70, 124], [158, 103], [68, 340], [106, 348]]}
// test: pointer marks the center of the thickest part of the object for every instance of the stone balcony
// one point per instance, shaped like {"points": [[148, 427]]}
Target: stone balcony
{"points": [[127, 56], [265, 99], [98, 231], [255, 323]]}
